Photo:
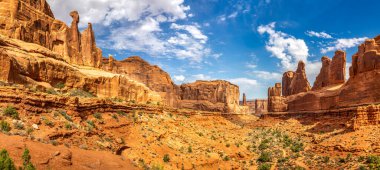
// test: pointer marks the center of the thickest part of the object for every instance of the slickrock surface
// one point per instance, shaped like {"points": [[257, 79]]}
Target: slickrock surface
{"points": [[215, 95], [152, 76]]}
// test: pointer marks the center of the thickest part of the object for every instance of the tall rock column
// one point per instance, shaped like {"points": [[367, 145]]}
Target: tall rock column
{"points": [[338, 68], [276, 102], [92, 55], [323, 77], [75, 40], [244, 100], [287, 79], [300, 83]]}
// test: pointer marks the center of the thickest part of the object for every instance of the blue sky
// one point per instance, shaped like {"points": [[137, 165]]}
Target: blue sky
{"points": [[250, 43]]}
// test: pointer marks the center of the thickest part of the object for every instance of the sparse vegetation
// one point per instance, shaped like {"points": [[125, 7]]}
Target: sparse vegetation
{"points": [[166, 158], [6, 163], [189, 149], [68, 126], [60, 85], [4, 126], [265, 157], [51, 91], [90, 123], [264, 166], [26, 160], [81, 93], [98, 116], [10, 111], [65, 115], [48, 122]]}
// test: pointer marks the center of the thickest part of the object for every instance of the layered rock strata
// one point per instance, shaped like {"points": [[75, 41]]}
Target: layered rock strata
{"points": [[219, 95], [34, 22], [276, 102], [333, 71]]}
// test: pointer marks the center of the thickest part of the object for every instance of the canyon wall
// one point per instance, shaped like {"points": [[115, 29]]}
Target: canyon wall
{"points": [[34, 22], [218, 95]]}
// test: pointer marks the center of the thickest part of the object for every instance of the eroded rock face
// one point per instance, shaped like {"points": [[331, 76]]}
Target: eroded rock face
{"points": [[338, 68], [300, 83], [31, 64], [276, 102], [287, 79], [219, 95], [34, 22], [150, 75], [244, 100]]}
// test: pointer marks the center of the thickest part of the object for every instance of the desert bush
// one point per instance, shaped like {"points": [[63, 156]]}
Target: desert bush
{"points": [[166, 158], [265, 157], [26, 160], [373, 162], [65, 115], [91, 123], [157, 167], [226, 158], [4, 126], [81, 93], [121, 113], [6, 163], [51, 91], [60, 85], [18, 125], [264, 144], [189, 149], [10, 111], [264, 167], [98, 116], [297, 147], [48, 122], [68, 126]]}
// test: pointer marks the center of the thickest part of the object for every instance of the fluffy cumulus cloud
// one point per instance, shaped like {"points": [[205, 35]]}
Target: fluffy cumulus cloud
{"points": [[285, 47], [343, 43], [108, 11], [318, 34], [137, 26], [289, 50]]}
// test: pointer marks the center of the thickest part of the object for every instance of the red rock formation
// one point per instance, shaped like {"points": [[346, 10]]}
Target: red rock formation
{"points": [[300, 83], [322, 79], [34, 22], [287, 79], [152, 76], [219, 95], [25, 63], [337, 73], [244, 100], [261, 106], [276, 102]]}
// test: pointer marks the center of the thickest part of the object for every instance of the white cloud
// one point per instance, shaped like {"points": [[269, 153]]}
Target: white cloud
{"points": [[221, 18], [179, 78], [193, 30], [233, 15], [251, 66], [201, 77], [108, 11], [285, 47], [344, 43], [267, 75], [318, 34], [246, 85]]}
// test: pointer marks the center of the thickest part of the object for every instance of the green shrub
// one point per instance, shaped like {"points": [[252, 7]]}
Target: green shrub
{"points": [[166, 158], [190, 149], [60, 85], [297, 147], [11, 112], [121, 113], [264, 167], [157, 167], [68, 126], [98, 116], [91, 123], [65, 115], [6, 163], [264, 144], [48, 123], [265, 157], [115, 117], [226, 158], [26, 160], [18, 125], [4, 126], [81, 93], [51, 91], [373, 162]]}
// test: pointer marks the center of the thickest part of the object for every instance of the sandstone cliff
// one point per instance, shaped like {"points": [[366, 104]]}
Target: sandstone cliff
{"points": [[276, 102], [31, 64], [219, 95], [152, 76], [332, 72], [34, 22]]}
